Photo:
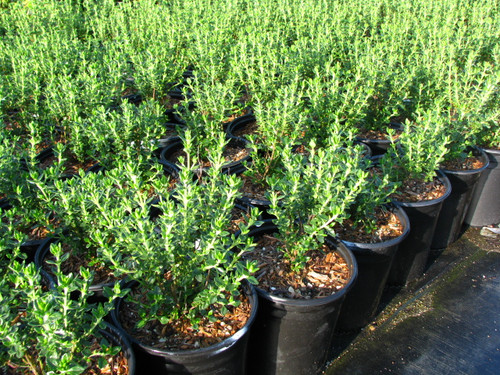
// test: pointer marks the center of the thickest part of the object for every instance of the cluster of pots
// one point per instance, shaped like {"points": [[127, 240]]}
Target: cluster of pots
{"points": [[284, 336]]}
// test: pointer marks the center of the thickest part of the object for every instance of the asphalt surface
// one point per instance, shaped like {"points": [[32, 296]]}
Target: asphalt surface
{"points": [[447, 322]]}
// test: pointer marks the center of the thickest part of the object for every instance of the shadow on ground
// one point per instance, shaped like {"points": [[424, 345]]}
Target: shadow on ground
{"points": [[448, 322]]}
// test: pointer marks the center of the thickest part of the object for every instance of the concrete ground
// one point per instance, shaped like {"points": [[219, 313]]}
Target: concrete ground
{"points": [[448, 322]]}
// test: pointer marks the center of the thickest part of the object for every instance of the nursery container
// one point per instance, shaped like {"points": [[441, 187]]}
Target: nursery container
{"points": [[239, 123], [455, 206], [484, 208], [380, 146], [374, 263], [4, 204], [411, 258], [294, 336], [227, 357], [118, 338], [43, 250]]}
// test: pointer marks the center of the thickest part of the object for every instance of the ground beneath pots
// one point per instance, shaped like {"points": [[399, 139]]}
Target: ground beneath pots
{"points": [[447, 322]]}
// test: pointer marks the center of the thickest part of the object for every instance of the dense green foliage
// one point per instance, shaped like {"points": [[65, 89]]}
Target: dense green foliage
{"points": [[98, 81]]}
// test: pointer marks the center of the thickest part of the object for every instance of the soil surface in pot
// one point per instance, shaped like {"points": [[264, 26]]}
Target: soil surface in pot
{"points": [[415, 190], [102, 274], [325, 273], [180, 334], [376, 134], [252, 189], [468, 164], [70, 165], [387, 227]]}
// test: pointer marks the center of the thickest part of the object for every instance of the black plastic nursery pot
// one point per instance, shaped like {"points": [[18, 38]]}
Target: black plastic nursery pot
{"points": [[374, 263], [30, 248], [262, 204], [239, 123], [43, 250], [484, 208], [455, 206], [118, 338], [411, 258], [227, 357], [380, 146], [292, 336], [5, 204]]}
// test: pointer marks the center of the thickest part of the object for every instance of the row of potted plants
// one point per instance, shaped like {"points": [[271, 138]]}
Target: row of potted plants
{"points": [[107, 217], [149, 153]]}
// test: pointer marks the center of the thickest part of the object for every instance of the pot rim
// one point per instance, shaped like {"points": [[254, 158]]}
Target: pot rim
{"points": [[112, 333], [240, 120], [392, 124], [178, 145], [445, 180], [482, 154], [335, 244], [398, 210], [494, 151], [214, 349]]}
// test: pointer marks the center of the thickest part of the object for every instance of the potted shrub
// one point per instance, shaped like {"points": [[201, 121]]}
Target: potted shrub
{"points": [[378, 127], [191, 309], [304, 276], [484, 208], [50, 331], [373, 231], [463, 164], [413, 164], [86, 208], [280, 125]]}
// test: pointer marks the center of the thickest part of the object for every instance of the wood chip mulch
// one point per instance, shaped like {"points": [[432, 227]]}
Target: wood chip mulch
{"points": [[180, 335], [33, 231], [418, 190], [376, 134], [234, 116], [468, 164], [388, 227], [238, 216], [254, 190], [102, 274], [325, 273], [116, 365], [168, 102], [70, 165]]}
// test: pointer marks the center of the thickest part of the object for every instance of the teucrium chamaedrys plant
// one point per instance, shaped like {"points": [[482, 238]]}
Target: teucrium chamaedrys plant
{"points": [[185, 260], [50, 331], [312, 195], [88, 206], [419, 151]]}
